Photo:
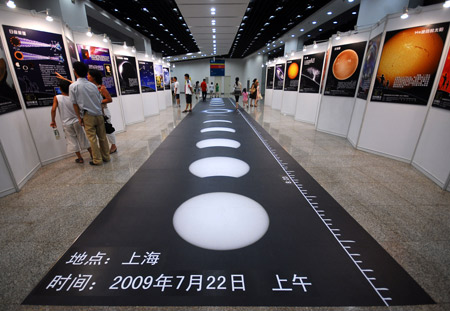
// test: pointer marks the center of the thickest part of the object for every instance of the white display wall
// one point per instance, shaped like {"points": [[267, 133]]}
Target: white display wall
{"points": [[308, 103], [116, 109], [393, 129], [133, 108], [6, 181], [149, 99], [335, 112]]}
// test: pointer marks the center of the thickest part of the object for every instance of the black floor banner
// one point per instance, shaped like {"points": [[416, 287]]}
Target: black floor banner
{"points": [[221, 215]]}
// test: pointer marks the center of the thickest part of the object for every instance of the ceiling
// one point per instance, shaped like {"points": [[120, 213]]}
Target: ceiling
{"points": [[182, 29]]}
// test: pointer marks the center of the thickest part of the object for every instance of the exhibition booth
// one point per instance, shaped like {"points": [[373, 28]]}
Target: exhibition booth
{"points": [[384, 87], [32, 50]]}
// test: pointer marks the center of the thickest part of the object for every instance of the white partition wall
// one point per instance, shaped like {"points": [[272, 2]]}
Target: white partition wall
{"points": [[308, 103], [116, 109], [393, 129], [360, 106], [149, 99], [133, 109], [289, 103], [269, 91], [335, 112], [6, 178]]}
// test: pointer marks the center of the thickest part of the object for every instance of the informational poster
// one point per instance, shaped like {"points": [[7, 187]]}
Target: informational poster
{"points": [[99, 58], [9, 101], [37, 55], [279, 76], [159, 77], [217, 67], [128, 78], [292, 74], [311, 73], [442, 98], [368, 67], [345, 65], [270, 72], [325, 69], [72, 50], [166, 71], [408, 64], [147, 76]]}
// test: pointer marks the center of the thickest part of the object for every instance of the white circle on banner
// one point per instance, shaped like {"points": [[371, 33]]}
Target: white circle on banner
{"points": [[221, 221], [220, 121], [217, 110], [218, 142], [218, 129], [219, 166]]}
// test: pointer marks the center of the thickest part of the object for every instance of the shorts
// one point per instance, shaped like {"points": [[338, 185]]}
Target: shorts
{"points": [[188, 98], [76, 139], [177, 96]]}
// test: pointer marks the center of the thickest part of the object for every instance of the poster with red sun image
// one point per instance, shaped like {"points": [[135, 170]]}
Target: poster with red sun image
{"points": [[408, 64], [292, 74], [279, 76], [99, 58], [442, 98], [36, 56], [311, 73], [345, 65]]}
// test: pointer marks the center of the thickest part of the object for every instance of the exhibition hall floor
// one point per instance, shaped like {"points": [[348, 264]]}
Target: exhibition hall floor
{"points": [[402, 210]]}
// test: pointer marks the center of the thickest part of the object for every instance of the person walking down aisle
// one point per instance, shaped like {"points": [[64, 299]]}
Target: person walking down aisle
{"points": [[245, 98], [95, 76], [258, 93], [87, 103], [217, 90], [253, 94], [188, 91], [211, 90], [197, 90], [237, 91], [176, 89], [76, 139], [204, 87]]}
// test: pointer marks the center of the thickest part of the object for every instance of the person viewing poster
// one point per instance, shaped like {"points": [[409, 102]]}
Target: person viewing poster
{"points": [[292, 75], [128, 78], [368, 67], [311, 73], [159, 77], [9, 100], [147, 76], [166, 71], [99, 58], [345, 65], [442, 97], [279, 76], [270, 72], [36, 56], [408, 64]]}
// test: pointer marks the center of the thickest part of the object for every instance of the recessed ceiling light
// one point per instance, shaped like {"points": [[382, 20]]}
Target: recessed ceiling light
{"points": [[309, 36], [214, 36], [145, 10], [335, 22], [214, 30], [116, 10], [329, 13], [302, 29], [314, 22], [320, 29], [213, 11], [354, 12], [292, 36]]}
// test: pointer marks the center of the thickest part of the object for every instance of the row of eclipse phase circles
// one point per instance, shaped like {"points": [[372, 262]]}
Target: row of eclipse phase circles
{"points": [[220, 221]]}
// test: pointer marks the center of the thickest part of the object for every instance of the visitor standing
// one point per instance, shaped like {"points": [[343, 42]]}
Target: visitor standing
{"points": [[211, 89], [176, 90], [217, 90], [253, 94], [245, 98], [204, 87], [197, 89], [188, 91], [237, 91], [87, 103]]}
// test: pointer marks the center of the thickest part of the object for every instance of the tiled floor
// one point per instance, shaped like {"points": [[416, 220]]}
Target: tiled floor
{"points": [[404, 211]]}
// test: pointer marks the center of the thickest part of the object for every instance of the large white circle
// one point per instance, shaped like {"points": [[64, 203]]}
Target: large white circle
{"points": [[219, 166], [220, 121], [218, 142], [218, 129], [218, 110], [221, 221]]}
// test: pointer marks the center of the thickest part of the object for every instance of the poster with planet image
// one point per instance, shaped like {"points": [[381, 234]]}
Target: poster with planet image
{"points": [[159, 77], [147, 76], [345, 65], [408, 64], [270, 72], [128, 79], [36, 56], [9, 100], [368, 67], [311, 73], [166, 71], [279, 76], [442, 97], [292, 74], [98, 58], [72, 50]]}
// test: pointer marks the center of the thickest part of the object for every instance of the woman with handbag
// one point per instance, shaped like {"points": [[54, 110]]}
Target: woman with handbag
{"points": [[253, 92], [237, 91], [95, 76]]}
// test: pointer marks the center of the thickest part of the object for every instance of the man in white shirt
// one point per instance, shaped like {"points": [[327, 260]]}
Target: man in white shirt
{"points": [[188, 91], [176, 90], [86, 99]]}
